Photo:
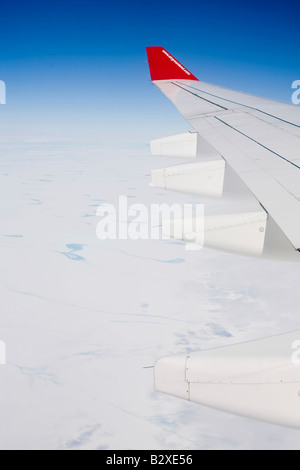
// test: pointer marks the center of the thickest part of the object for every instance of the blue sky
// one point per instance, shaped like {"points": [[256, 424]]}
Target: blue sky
{"points": [[82, 64]]}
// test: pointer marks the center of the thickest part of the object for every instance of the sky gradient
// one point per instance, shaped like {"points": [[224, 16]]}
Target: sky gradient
{"points": [[80, 67]]}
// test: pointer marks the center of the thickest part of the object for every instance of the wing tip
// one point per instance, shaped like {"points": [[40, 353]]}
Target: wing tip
{"points": [[163, 66]]}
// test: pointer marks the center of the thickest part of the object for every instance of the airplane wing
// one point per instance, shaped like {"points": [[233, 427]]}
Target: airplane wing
{"points": [[252, 146], [255, 139]]}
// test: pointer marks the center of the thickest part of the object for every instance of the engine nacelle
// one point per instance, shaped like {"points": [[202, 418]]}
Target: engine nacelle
{"points": [[258, 379]]}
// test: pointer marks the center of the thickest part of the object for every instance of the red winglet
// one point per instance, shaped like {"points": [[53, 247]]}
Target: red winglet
{"points": [[163, 66]]}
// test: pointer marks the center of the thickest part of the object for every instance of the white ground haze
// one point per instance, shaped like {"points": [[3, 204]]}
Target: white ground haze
{"points": [[82, 317]]}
